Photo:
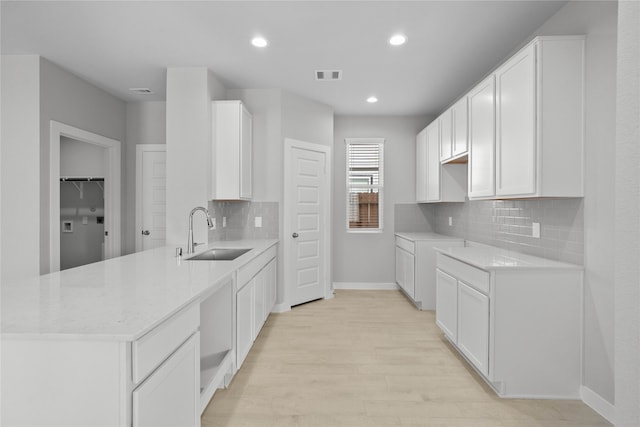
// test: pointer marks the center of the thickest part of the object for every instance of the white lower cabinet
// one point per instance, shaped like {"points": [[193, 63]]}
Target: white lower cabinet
{"points": [[473, 326], [255, 299], [447, 305], [520, 328], [171, 395], [244, 322], [416, 265], [404, 271]]}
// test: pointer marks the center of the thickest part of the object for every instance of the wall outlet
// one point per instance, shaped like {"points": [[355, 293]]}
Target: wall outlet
{"points": [[258, 222], [213, 222], [224, 221], [535, 230], [450, 221]]}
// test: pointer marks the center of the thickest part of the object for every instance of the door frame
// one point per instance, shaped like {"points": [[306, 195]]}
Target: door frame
{"points": [[112, 190], [289, 145], [140, 149]]}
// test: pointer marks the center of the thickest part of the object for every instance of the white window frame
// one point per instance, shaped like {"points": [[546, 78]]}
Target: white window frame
{"points": [[379, 186]]}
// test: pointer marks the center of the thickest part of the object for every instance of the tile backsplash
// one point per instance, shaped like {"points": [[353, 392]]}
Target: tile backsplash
{"points": [[508, 224], [240, 217]]}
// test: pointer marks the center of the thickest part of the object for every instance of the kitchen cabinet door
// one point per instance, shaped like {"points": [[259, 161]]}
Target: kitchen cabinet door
{"points": [[446, 135], [473, 326], [271, 286], [171, 395], [459, 117], [231, 175], [244, 322], [259, 306], [482, 140], [447, 304], [433, 162], [405, 277], [421, 166], [515, 124]]}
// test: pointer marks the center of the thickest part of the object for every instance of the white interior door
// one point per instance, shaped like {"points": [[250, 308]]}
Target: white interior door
{"points": [[151, 221], [308, 224]]}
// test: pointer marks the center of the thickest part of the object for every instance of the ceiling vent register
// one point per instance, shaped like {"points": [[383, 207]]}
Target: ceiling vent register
{"points": [[328, 75]]}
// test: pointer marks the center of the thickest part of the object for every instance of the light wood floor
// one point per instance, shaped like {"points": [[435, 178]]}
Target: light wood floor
{"points": [[369, 358]]}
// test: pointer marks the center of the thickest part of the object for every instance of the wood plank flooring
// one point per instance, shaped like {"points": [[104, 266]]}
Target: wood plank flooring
{"points": [[369, 358]]}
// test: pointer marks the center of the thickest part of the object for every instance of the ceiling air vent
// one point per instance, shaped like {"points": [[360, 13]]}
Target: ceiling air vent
{"points": [[328, 75], [141, 90]]}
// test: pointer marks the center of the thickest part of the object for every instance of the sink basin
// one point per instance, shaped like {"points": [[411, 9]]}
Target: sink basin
{"points": [[218, 254]]}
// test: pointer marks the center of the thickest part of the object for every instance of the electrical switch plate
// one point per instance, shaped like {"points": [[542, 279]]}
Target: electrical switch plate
{"points": [[85, 220], [258, 221], [224, 221], [535, 230], [213, 222], [450, 221]]}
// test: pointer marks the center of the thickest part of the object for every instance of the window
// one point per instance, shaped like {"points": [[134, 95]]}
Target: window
{"points": [[365, 178]]}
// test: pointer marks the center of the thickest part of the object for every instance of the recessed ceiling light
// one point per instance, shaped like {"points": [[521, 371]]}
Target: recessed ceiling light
{"points": [[372, 100], [398, 39], [259, 42]]}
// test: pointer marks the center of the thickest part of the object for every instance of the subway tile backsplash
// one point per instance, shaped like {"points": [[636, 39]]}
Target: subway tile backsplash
{"points": [[508, 224], [241, 220]]}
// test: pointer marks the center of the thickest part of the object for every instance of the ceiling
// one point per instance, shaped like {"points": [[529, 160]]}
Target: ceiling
{"points": [[117, 45]]}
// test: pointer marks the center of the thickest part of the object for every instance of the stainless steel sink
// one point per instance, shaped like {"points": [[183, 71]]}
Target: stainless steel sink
{"points": [[218, 254]]}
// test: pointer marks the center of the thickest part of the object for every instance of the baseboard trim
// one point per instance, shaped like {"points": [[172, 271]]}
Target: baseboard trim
{"points": [[281, 308], [598, 404], [369, 286]]}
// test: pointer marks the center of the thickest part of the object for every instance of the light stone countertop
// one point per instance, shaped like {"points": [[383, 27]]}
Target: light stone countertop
{"points": [[492, 258], [118, 299], [415, 236]]}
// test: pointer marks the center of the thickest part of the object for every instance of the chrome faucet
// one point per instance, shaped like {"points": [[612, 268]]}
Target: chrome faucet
{"points": [[191, 245]]}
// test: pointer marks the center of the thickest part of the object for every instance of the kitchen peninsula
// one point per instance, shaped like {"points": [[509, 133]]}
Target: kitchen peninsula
{"points": [[135, 340]]}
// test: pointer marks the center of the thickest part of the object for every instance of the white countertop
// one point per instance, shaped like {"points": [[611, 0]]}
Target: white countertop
{"points": [[118, 299], [424, 235], [492, 258]]}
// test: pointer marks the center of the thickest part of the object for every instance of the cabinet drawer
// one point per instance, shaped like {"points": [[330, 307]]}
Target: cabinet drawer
{"points": [[405, 244], [252, 267], [150, 350], [472, 276]]}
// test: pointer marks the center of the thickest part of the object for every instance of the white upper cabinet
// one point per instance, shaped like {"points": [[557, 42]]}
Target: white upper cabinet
{"points": [[460, 137], [437, 182], [232, 145], [453, 132], [538, 122], [446, 135], [433, 162], [421, 166], [482, 140]]}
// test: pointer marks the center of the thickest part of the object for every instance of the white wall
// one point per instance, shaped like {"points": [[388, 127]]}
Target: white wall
{"points": [[20, 167], [359, 257], [627, 218], [598, 21], [189, 95], [146, 124], [71, 100], [278, 115], [80, 159], [36, 92]]}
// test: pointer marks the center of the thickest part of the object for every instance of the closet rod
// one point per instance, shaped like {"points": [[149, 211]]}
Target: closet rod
{"points": [[69, 179]]}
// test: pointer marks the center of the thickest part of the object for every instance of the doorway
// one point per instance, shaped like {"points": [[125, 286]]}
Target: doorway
{"points": [[307, 221], [110, 148]]}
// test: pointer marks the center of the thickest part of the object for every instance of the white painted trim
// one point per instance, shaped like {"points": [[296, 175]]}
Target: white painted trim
{"points": [[598, 404], [142, 148], [281, 308], [369, 286], [289, 144], [112, 189]]}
